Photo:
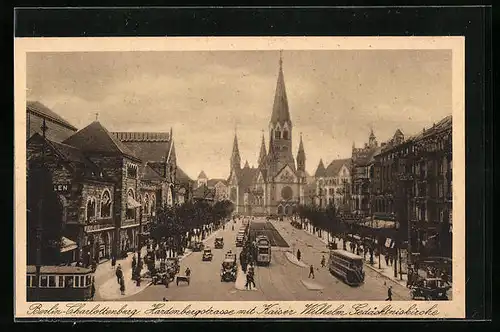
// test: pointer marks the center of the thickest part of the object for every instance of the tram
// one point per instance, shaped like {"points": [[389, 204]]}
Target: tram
{"points": [[347, 266]]}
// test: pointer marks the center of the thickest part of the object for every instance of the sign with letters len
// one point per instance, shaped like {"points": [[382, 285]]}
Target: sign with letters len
{"points": [[62, 187]]}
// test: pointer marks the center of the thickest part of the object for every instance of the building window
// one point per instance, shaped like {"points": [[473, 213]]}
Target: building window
{"points": [[277, 134], [106, 204], [91, 209], [440, 190], [152, 206], [146, 205], [330, 191], [130, 211], [131, 171], [285, 134]]}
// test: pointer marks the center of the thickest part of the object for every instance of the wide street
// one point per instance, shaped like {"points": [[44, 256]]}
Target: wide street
{"points": [[283, 280]]}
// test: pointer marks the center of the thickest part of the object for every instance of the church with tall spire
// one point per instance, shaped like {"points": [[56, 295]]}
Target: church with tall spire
{"points": [[276, 185]]}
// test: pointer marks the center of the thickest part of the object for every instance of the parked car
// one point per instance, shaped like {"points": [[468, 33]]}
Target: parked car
{"points": [[198, 246], [228, 270], [207, 254]]}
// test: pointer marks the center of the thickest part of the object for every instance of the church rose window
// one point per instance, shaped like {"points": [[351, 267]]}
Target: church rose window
{"points": [[286, 193]]}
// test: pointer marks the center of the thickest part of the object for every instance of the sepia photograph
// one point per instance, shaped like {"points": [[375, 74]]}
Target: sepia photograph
{"points": [[255, 174]]}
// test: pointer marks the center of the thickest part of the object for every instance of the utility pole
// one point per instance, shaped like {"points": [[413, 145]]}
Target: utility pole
{"points": [[39, 228]]}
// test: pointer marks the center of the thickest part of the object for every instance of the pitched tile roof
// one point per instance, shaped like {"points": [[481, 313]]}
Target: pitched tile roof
{"points": [[42, 110], [181, 176], [148, 146], [334, 168], [95, 138], [149, 173], [320, 170]]}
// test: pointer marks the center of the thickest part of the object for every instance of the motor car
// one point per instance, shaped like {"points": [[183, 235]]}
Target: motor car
{"points": [[228, 270], [198, 246], [219, 243], [230, 255], [207, 254]]}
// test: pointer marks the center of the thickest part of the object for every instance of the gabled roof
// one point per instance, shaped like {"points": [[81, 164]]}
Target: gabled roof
{"points": [[43, 111], [334, 168], [182, 177], [445, 123], [320, 170], [73, 156], [363, 157], [203, 192], [95, 138], [202, 175]]}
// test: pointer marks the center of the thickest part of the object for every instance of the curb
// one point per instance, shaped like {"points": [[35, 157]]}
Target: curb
{"points": [[297, 263], [397, 281]]}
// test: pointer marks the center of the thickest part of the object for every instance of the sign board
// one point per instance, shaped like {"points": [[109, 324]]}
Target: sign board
{"points": [[62, 187]]}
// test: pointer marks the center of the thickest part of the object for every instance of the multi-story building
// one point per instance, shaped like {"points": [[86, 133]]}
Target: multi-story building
{"points": [[361, 165], [107, 192], [215, 189], [333, 184], [413, 181], [58, 129]]}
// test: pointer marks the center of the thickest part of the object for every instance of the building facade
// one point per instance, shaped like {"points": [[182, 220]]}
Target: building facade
{"points": [[333, 184], [413, 181], [276, 185], [361, 167]]}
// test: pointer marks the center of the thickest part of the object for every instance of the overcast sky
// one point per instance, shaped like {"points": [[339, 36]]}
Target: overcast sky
{"points": [[335, 97]]}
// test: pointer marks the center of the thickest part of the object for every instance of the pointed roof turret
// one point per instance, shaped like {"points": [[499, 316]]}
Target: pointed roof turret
{"points": [[281, 113], [246, 164], [235, 156], [262, 154], [301, 154], [202, 175], [321, 170]]}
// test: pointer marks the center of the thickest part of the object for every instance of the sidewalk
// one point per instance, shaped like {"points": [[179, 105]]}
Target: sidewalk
{"points": [[385, 270]]}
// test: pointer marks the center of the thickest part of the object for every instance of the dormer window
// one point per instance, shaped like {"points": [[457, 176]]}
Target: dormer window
{"points": [[277, 134]]}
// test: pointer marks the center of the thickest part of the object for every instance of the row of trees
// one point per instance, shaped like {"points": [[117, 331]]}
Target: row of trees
{"points": [[323, 220], [177, 224]]}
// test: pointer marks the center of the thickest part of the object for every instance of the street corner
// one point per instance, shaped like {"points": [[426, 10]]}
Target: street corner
{"points": [[294, 260], [110, 290], [312, 285]]}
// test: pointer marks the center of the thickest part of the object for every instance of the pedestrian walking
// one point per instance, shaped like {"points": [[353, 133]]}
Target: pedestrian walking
{"points": [[389, 294], [113, 262], [311, 272], [122, 286], [298, 254], [248, 285], [119, 273], [134, 263], [323, 261]]}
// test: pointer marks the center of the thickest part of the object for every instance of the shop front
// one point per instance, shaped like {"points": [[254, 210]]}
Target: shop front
{"points": [[98, 244]]}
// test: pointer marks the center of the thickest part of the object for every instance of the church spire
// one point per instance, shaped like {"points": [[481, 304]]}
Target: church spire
{"points": [[301, 156], [262, 154], [281, 113], [235, 156]]}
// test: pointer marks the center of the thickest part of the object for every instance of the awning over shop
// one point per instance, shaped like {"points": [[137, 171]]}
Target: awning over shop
{"points": [[67, 244], [132, 203]]}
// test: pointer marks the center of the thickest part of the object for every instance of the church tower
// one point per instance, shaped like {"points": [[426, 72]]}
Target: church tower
{"points": [[301, 157], [372, 143], [235, 162], [280, 126]]}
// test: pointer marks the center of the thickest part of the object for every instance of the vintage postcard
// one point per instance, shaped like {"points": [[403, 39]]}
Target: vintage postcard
{"points": [[240, 177]]}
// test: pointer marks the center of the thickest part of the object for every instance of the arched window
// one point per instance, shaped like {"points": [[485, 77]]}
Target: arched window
{"points": [[105, 204], [147, 204], [130, 210], [277, 134], [91, 209], [285, 134], [153, 205]]}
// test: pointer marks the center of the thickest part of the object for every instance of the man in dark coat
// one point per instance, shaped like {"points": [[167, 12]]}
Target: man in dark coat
{"points": [[389, 294], [119, 273]]}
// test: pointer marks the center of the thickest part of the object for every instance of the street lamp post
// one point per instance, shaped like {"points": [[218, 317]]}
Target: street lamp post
{"points": [[139, 238]]}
